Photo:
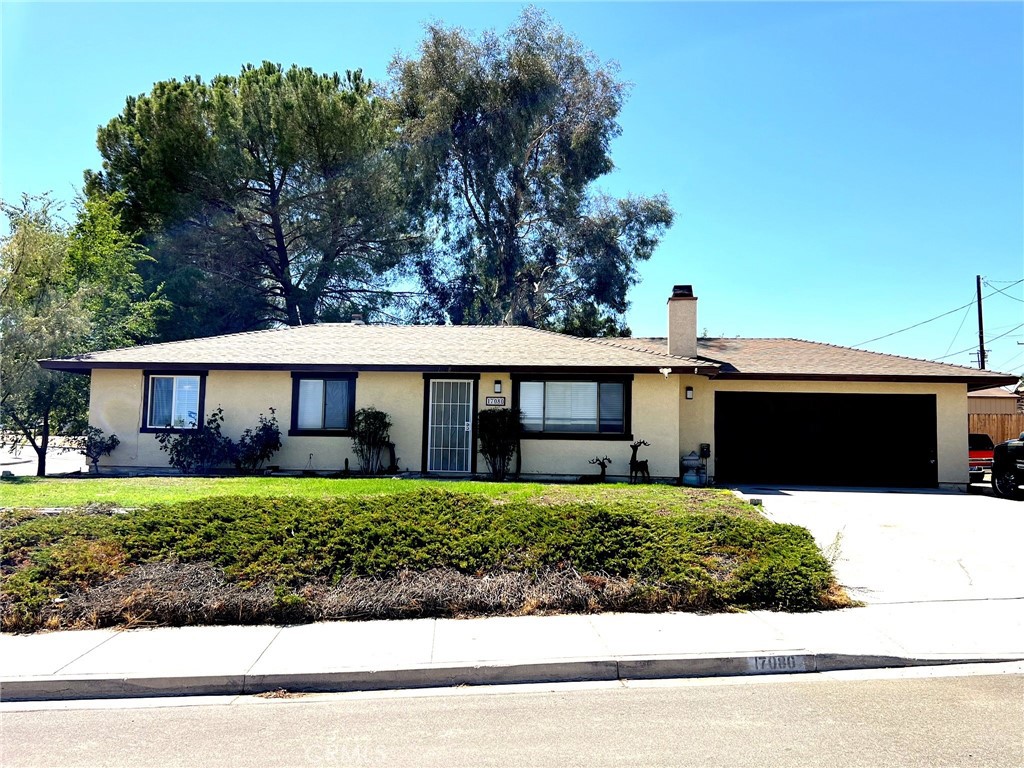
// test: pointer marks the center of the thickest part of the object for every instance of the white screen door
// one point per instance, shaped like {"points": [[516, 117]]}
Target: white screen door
{"points": [[450, 430]]}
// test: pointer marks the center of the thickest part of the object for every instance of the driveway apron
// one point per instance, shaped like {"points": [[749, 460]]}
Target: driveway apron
{"points": [[897, 546]]}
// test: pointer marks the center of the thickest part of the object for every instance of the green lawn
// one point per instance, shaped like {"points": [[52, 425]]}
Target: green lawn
{"points": [[133, 492]]}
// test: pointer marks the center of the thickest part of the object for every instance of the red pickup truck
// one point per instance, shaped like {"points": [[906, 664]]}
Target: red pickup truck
{"points": [[979, 456]]}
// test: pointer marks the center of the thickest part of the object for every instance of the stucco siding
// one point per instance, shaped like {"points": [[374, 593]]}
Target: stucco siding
{"points": [[697, 416], [400, 395], [115, 406], [116, 397]]}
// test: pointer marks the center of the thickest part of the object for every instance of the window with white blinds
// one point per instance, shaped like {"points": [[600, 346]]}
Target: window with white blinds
{"points": [[173, 402], [573, 406]]}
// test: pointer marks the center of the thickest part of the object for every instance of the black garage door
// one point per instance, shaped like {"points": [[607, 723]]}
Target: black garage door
{"points": [[825, 439]]}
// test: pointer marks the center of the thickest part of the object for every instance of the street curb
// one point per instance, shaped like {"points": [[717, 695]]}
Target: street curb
{"points": [[62, 688]]}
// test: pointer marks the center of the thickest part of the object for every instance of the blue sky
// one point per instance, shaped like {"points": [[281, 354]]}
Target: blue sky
{"points": [[839, 171]]}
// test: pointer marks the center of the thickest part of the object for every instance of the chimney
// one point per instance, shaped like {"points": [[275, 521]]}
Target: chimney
{"points": [[682, 321]]}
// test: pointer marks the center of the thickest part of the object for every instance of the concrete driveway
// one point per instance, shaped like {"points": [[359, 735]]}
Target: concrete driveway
{"points": [[894, 546]]}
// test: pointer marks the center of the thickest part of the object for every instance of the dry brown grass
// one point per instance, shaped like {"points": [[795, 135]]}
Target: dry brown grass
{"points": [[177, 594]]}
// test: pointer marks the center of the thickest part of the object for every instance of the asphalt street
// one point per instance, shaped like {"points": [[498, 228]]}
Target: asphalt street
{"points": [[908, 719]]}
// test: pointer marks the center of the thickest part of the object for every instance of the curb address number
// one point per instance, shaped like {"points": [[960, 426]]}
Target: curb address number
{"points": [[778, 663]]}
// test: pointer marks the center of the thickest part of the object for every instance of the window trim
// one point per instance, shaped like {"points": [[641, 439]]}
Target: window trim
{"points": [[297, 377], [627, 406], [147, 377]]}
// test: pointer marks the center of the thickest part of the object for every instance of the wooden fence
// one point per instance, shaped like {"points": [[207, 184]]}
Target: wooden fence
{"points": [[998, 426]]}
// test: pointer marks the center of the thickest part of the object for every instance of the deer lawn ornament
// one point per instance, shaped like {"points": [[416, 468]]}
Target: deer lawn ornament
{"points": [[603, 464], [638, 469]]}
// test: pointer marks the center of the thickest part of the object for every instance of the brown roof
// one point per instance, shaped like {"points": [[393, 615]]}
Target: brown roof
{"points": [[994, 392], [515, 348], [369, 347], [795, 358]]}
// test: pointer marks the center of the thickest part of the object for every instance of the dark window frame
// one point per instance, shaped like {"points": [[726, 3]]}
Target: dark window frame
{"points": [[297, 377], [147, 377], [627, 406]]}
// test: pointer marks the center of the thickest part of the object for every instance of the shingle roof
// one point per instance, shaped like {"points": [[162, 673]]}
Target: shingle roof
{"points": [[798, 358], [357, 346], [995, 392], [515, 348]]}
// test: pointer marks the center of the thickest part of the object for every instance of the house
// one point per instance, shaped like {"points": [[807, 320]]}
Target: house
{"points": [[764, 410]]}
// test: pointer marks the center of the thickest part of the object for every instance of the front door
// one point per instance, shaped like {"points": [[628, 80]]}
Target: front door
{"points": [[450, 426]]}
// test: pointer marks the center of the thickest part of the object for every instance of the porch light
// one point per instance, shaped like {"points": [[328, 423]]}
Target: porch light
{"points": [[497, 386], [689, 393]]}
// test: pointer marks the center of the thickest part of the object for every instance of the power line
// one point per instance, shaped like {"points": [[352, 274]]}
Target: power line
{"points": [[962, 321], [916, 325], [1003, 290], [970, 348], [929, 320], [1005, 366]]}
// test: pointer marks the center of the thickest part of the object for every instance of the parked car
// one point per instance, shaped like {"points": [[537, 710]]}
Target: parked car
{"points": [[1008, 468], [979, 456]]}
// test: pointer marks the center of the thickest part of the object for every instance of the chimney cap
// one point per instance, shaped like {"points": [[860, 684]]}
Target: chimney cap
{"points": [[682, 291]]}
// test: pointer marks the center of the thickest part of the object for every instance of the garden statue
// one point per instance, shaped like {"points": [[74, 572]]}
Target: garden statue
{"points": [[638, 469]]}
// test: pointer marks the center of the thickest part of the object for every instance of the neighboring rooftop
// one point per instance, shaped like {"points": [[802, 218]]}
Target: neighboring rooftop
{"points": [[995, 392], [369, 347]]}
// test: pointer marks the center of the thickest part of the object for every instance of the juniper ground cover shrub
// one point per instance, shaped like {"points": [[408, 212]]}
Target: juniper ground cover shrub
{"points": [[313, 553]]}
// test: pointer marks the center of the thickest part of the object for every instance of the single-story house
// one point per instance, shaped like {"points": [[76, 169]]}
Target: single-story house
{"points": [[760, 410]]}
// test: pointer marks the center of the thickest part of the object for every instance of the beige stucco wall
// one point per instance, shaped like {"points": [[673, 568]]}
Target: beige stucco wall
{"points": [[115, 406], [697, 416]]}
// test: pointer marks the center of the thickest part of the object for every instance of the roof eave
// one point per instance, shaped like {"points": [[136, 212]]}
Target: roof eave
{"points": [[84, 366], [977, 381]]}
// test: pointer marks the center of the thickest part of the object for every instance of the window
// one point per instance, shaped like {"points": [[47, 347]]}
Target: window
{"points": [[322, 404], [574, 407], [174, 401]]}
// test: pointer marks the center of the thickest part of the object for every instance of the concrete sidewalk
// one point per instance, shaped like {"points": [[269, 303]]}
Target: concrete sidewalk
{"points": [[341, 656]]}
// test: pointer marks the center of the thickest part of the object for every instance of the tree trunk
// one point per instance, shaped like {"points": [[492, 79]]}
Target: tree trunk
{"points": [[44, 442]]}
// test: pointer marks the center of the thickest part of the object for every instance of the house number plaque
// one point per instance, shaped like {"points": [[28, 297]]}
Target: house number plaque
{"points": [[496, 400]]}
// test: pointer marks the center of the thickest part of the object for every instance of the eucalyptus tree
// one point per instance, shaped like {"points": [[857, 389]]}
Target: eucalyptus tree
{"points": [[506, 136]]}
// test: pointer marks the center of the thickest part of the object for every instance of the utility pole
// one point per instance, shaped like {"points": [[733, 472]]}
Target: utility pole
{"points": [[981, 330]]}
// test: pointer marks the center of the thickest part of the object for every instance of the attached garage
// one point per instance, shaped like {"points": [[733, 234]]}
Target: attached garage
{"points": [[801, 438]]}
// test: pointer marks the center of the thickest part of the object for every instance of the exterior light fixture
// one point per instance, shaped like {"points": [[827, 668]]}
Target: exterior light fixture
{"points": [[689, 393], [497, 386]]}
